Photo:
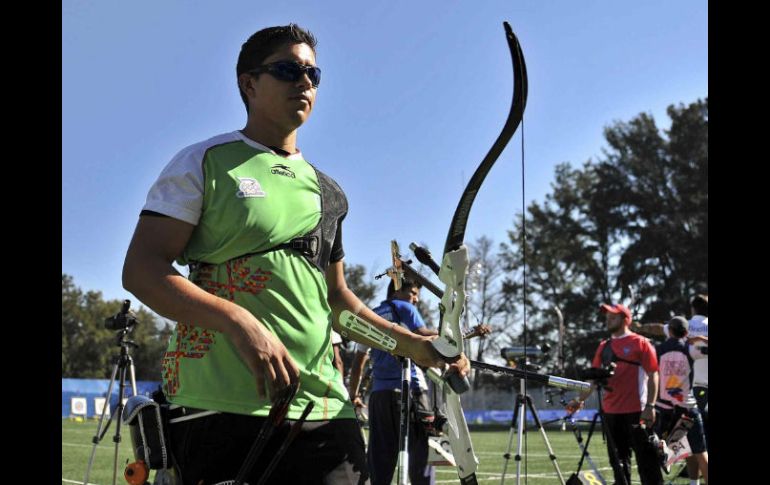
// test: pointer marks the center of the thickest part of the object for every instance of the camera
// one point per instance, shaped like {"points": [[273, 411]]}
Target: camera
{"points": [[512, 353], [121, 320], [597, 373]]}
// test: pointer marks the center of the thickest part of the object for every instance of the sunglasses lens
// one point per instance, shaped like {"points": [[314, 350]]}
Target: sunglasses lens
{"points": [[286, 71], [292, 72], [314, 73]]}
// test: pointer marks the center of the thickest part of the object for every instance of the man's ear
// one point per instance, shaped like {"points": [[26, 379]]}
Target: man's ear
{"points": [[246, 83]]}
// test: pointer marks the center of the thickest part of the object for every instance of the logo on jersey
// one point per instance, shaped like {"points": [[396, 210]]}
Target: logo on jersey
{"points": [[249, 187], [281, 169]]}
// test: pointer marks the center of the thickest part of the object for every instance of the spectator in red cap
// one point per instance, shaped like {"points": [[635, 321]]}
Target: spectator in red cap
{"points": [[628, 397]]}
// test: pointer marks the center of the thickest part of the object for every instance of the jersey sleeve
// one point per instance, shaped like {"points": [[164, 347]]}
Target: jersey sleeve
{"points": [[410, 316], [337, 252], [649, 357], [178, 191]]}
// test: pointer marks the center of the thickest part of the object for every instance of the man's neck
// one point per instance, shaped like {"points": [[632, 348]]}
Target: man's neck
{"points": [[621, 333], [271, 136]]}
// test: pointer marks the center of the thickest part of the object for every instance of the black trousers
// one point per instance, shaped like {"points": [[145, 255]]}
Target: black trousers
{"points": [[702, 398], [625, 438], [213, 448], [384, 420]]}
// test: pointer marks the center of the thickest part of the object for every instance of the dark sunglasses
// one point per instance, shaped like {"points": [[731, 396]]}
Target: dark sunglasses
{"points": [[290, 71]]}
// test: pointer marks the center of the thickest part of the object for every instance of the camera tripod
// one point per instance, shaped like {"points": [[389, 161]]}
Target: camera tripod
{"points": [[610, 443], [124, 364], [569, 418], [402, 469], [584, 448], [519, 413]]}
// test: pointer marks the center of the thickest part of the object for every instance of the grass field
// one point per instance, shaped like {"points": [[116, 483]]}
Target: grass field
{"points": [[489, 447]]}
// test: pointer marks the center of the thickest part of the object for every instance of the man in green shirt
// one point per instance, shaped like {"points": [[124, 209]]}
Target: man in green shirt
{"points": [[260, 228]]}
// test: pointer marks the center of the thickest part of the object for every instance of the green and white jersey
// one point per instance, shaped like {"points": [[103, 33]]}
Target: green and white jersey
{"points": [[243, 198]]}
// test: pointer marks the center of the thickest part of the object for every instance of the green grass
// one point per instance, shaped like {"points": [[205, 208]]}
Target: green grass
{"points": [[489, 447]]}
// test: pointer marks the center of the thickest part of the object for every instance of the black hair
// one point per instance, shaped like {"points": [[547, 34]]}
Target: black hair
{"points": [[677, 327], [406, 283], [700, 304], [264, 43]]}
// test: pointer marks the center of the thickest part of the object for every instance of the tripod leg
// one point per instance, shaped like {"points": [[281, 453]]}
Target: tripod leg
{"points": [[98, 436], [119, 413], [507, 455], [545, 438], [127, 366], [584, 447], [133, 376], [403, 437], [520, 437]]}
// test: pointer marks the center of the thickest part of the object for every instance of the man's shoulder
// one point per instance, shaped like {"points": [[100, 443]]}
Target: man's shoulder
{"points": [[698, 325], [197, 151], [641, 341], [403, 304], [213, 141]]}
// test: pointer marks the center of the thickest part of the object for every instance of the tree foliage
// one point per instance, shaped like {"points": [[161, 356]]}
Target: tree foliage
{"points": [[89, 350], [638, 217]]}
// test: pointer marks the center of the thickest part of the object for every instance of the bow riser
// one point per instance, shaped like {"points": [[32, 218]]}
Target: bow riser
{"points": [[454, 267]]}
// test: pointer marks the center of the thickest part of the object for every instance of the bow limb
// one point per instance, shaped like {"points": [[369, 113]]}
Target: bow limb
{"points": [[454, 267], [561, 337]]}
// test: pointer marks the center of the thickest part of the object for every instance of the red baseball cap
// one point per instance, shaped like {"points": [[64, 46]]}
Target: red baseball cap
{"points": [[617, 308]]}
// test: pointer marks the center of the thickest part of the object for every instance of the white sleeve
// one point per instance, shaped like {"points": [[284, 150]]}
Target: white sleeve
{"points": [[665, 330], [336, 338], [363, 348], [178, 192], [696, 352]]}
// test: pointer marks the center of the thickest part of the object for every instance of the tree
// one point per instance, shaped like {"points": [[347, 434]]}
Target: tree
{"points": [[89, 348], [355, 276], [638, 216]]}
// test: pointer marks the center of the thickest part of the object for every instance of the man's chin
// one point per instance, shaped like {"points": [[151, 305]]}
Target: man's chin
{"points": [[299, 117]]}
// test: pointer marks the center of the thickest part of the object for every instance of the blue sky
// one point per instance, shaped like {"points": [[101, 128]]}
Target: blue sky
{"points": [[412, 97]]}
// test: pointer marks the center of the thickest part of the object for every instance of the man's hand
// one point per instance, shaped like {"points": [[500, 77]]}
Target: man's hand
{"points": [[460, 365], [648, 415], [358, 403], [574, 406], [421, 351], [265, 356]]}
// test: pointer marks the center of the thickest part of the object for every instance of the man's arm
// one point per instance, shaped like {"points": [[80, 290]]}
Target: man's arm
{"points": [[427, 332], [338, 359], [149, 274], [698, 339], [648, 413], [408, 344], [649, 329], [578, 403]]}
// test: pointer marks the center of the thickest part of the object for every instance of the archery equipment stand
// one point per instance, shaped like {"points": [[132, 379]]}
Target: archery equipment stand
{"points": [[523, 400], [124, 364]]}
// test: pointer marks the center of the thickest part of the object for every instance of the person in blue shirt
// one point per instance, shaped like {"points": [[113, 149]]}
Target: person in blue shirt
{"points": [[385, 399]]}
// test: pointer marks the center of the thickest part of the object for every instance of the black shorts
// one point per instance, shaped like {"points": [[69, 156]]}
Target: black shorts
{"points": [[695, 436], [213, 448]]}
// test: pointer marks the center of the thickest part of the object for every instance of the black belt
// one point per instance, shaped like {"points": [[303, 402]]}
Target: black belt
{"points": [[184, 413]]}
